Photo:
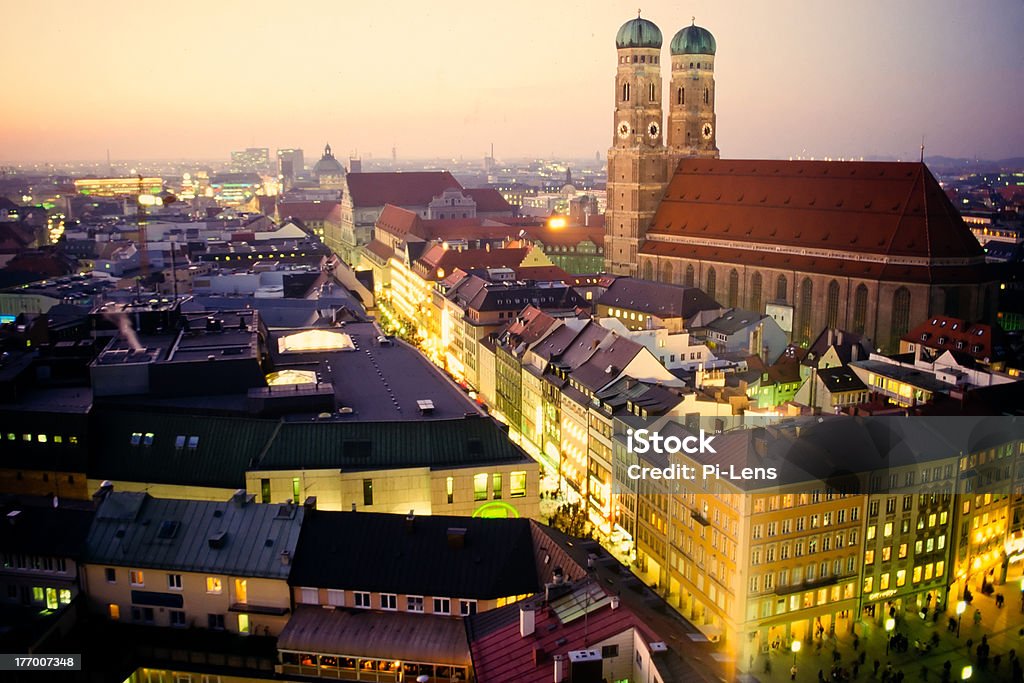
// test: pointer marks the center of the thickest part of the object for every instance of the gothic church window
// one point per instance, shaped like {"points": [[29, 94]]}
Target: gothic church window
{"points": [[689, 275], [900, 312], [710, 289], [734, 288], [860, 308], [832, 313], [781, 289], [755, 293], [803, 312]]}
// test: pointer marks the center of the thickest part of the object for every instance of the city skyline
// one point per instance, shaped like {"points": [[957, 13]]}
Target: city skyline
{"points": [[300, 80]]}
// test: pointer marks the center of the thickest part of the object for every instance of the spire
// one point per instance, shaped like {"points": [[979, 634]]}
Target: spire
{"points": [[327, 151]]}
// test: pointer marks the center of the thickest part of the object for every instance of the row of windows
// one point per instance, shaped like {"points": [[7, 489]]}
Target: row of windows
{"points": [[805, 600], [44, 438], [920, 573], [640, 59], [798, 575], [921, 546], [34, 563], [214, 584], [813, 544], [386, 601], [51, 597]]}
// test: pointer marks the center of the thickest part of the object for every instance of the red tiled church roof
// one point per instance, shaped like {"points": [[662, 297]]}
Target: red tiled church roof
{"points": [[879, 208]]}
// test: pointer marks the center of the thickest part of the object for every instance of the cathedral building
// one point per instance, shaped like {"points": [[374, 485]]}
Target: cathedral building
{"points": [[869, 247]]}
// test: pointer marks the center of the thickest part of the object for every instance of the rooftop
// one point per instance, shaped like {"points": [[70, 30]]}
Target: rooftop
{"points": [[394, 554], [657, 298], [237, 537], [415, 188]]}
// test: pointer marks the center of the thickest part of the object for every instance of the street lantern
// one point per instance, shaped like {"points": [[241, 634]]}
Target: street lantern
{"points": [[890, 624], [795, 647], [961, 607], [966, 672]]}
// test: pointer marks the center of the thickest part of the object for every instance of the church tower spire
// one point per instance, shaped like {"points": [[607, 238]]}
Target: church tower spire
{"points": [[692, 127], [636, 160]]}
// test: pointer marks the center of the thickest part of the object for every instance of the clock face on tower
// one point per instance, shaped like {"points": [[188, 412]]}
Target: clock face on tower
{"points": [[706, 130], [623, 130], [653, 129]]}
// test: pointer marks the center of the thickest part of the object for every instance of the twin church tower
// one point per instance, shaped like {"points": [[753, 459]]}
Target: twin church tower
{"points": [[644, 155]]}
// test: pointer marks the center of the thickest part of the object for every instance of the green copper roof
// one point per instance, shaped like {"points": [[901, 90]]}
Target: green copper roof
{"points": [[693, 40], [638, 33]]}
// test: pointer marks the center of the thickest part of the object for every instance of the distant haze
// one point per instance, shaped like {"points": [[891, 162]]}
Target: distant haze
{"points": [[200, 78]]}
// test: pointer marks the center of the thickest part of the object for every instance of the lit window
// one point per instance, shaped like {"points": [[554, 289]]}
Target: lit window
{"points": [[214, 585], [114, 611], [137, 578], [480, 487], [517, 484]]}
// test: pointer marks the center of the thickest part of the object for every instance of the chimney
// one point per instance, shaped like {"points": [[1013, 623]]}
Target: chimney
{"points": [[559, 668], [831, 336], [839, 337], [353, 507], [615, 602], [238, 498], [558, 576], [456, 538], [527, 621], [855, 352], [286, 557], [410, 522], [310, 503], [105, 489]]}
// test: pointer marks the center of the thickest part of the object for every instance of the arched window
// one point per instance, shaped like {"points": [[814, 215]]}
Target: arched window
{"points": [[648, 271], [666, 272], [710, 289], [781, 289], [651, 96], [706, 95], [734, 288], [755, 293], [681, 96], [832, 312], [689, 275], [803, 311], [625, 92], [900, 313], [860, 309]]}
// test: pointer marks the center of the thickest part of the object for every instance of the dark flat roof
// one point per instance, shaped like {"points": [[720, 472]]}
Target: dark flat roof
{"points": [[387, 553]]}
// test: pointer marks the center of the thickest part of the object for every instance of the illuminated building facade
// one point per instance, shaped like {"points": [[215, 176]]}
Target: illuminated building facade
{"points": [[118, 187]]}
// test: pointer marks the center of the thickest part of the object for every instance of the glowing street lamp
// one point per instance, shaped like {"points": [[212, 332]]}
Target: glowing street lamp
{"points": [[966, 672], [795, 647], [890, 624], [961, 607]]}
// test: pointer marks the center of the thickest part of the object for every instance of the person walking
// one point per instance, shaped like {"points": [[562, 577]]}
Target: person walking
{"points": [[792, 673]]}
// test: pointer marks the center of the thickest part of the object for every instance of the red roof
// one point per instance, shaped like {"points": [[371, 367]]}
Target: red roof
{"points": [[953, 334], [879, 208], [488, 200], [569, 236], [500, 653], [311, 211], [397, 221], [401, 189]]}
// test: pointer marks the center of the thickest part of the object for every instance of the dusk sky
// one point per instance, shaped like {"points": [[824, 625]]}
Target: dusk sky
{"points": [[198, 79]]}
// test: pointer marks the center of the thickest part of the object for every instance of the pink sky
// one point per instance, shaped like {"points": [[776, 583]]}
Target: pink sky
{"points": [[198, 79]]}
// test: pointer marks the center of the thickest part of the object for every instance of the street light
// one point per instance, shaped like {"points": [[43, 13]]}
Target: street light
{"points": [[795, 647], [961, 607], [890, 624], [966, 672]]}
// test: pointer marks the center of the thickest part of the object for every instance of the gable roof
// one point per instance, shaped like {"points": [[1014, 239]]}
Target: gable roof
{"points": [[657, 298], [488, 200], [415, 188], [884, 208], [943, 333], [390, 553]]}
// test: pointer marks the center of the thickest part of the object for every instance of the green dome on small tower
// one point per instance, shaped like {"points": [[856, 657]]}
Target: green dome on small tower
{"points": [[693, 40], [638, 33]]}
